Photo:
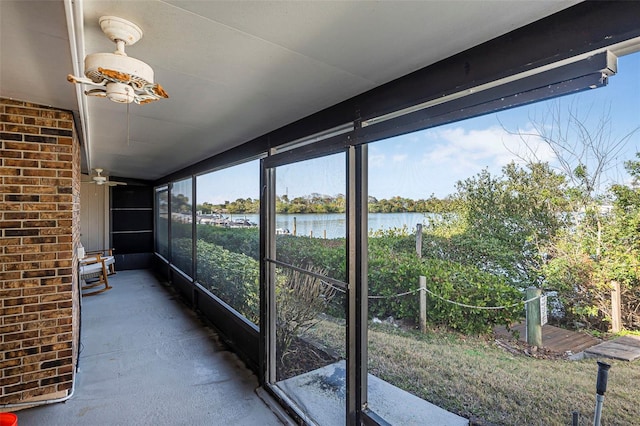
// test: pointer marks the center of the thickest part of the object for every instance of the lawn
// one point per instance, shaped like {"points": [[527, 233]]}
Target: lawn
{"points": [[476, 378]]}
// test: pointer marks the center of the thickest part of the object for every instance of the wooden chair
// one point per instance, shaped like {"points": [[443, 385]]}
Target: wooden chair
{"points": [[93, 271], [109, 258]]}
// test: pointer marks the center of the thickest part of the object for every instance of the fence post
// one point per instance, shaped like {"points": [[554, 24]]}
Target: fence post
{"points": [[616, 312], [419, 240], [295, 227], [534, 327], [423, 304]]}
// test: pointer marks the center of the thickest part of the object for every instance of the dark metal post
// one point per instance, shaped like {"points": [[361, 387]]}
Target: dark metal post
{"points": [[357, 197], [601, 388]]}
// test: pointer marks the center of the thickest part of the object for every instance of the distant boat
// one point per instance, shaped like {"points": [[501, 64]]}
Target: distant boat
{"points": [[242, 223]]}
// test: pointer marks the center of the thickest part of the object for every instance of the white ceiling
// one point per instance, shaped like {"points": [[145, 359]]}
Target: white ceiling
{"points": [[235, 70]]}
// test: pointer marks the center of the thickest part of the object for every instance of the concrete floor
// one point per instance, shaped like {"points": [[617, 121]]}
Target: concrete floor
{"points": [[148, 360]]}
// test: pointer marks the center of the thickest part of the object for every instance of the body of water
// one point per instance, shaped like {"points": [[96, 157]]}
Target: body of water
{"points": [[334, 225]]}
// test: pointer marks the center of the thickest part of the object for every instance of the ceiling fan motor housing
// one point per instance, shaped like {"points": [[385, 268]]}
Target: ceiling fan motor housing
{"points": [[126, 70]]}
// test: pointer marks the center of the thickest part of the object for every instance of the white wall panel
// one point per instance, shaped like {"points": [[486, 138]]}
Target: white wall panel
{"points": [[94, 216]]}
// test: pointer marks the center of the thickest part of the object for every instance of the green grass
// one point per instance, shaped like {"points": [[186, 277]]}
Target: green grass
{"points": [[475, 378]]}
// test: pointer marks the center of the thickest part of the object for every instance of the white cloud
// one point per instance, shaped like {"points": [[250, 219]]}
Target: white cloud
{"points": [[377, 160], [399, 158], [475, 149]]}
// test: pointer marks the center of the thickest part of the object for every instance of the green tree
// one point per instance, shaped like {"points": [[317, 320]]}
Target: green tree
{"points": [[579, 256], [620, 257], [503, 222]]}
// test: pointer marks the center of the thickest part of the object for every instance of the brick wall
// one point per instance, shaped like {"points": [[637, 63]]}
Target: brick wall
{"points": [[39, 231]]}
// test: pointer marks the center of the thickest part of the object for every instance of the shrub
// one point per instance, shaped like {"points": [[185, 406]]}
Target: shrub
{"points": [[305, 252], [299, 300], [233, 277], [239, 240], [392, 273]]}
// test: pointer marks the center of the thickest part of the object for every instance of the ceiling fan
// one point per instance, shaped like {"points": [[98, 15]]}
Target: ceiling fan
{"points": [[98, 179], [116, 76]]}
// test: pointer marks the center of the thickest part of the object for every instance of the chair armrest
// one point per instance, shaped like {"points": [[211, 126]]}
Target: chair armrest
{"points": [[91, 259]]}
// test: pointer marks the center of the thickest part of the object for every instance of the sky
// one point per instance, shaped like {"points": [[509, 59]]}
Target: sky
{"points": [[433, 160]]}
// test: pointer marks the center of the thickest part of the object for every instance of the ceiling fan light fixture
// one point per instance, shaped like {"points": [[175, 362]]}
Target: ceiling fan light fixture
{"points": [[121, 93], [116, 76], [100, 180]]}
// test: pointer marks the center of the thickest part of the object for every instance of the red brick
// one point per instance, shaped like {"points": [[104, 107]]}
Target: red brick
{"points": [[36, 325], [21, 215], [56, 199], [14, 328], [55, 313], [39, 256], [9, 206], [38, 190], [34, 359], [12, 337], [9, 118], [6, 276], [21, 146], [21, 318], [55, 165], [16, 128], [19, 180], [6, 171], [65, 369], [38, 290], [51, 281], [11, 258], [39, 121], [21, 111], [10, 189], [43, 374], [56, 379], [20, 301], [54, 215], [39, 172], [21, 249], [40, 207], [65, 124], [10, 224], [10, 154], [7, 364], [10, 381], [39, 273], [20, 387], [40, 307], [56, 148]]}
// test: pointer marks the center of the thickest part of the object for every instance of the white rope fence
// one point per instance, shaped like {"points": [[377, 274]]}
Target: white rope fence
{"points": [[453, 302], [464, 305], [393, 296]]}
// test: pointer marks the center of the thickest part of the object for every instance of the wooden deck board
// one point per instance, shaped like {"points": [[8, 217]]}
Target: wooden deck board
{"points": [[626, 348], [555, 338]]}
